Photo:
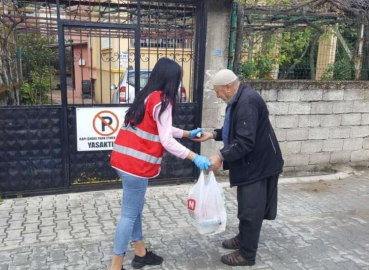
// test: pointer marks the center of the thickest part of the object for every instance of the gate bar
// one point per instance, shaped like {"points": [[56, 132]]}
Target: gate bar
{"points": [[199, 68], [99, 25], [64, 94], [137, 49]]}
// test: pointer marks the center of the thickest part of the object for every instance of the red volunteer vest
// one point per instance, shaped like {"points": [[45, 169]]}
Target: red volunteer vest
{"points": [[139, 151]]}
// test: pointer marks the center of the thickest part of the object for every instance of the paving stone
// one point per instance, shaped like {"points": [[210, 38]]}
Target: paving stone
{"points": [[57, 255], [16, 267], [4, 266], [322, 225], [20, 259]]}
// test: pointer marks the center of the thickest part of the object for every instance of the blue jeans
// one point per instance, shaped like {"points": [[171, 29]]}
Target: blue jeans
{"points": [[130, 223]]}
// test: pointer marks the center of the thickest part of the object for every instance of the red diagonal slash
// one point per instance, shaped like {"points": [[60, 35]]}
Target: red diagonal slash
{"points": [[106, 124]]}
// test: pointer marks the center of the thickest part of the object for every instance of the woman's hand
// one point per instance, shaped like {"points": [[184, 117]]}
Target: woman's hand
{"points": [[193, 134]]}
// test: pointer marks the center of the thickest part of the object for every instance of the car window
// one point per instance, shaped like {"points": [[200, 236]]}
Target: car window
{"points": [[143, 78]]}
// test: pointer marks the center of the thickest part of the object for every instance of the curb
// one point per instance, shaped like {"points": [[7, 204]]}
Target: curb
{"points": [[308, 179], [305, 179]]}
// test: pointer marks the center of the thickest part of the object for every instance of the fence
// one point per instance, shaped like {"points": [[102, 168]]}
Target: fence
{"points": [[95, 59], [61, 58], [317, 41]]}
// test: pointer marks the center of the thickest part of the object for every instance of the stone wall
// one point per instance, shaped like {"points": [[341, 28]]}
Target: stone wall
{"points": [[318, 123]]}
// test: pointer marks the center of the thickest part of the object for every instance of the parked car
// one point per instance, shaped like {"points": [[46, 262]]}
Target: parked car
{"points": [[125, 92]]}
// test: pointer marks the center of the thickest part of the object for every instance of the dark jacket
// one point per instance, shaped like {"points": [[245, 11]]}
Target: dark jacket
{"points": [[253, 151]]}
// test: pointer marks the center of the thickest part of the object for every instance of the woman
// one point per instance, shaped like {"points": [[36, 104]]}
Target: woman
{"points": [[138, 151]]}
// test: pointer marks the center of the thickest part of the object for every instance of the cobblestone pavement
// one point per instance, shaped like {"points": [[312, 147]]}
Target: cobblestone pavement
{"points": [[321, 225]]}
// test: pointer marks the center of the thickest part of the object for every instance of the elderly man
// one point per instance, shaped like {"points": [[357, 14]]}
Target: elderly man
{"points": [[252, 155]]}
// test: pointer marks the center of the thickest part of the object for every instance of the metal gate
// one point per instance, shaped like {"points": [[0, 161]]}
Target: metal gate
{"points": [[106, 50]]}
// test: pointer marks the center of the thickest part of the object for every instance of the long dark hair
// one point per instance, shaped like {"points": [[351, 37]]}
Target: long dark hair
{"points": [[166, 76]]}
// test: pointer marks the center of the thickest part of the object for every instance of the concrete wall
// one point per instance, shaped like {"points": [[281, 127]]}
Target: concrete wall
{"points": [[219, 19], [319, 123]]}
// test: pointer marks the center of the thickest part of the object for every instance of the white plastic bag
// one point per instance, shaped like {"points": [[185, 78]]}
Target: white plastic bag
{"points": [[206, 205]]}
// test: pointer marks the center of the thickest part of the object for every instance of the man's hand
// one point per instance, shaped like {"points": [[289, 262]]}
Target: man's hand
{"points": [[216, 162], [205, 137]]}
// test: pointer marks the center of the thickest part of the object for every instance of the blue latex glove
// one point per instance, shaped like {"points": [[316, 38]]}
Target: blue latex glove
{"points": [[194, 132], [203, 163]]}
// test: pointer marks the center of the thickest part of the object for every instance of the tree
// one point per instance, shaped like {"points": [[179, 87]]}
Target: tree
{"points": [[293, 52], [26, 56], [38, 52], [301, 20], [39, 63], [9, 66]]}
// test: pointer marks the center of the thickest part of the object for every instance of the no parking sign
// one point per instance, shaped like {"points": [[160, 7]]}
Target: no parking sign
{"points": [[97, 128]]}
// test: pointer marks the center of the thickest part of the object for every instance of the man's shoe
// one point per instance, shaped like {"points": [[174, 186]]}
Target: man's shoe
{"points": [[236, 259], [233, 243], [149, 259]]}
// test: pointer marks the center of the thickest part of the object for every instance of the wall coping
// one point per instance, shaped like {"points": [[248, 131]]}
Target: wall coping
{"points": [[306, 85]]}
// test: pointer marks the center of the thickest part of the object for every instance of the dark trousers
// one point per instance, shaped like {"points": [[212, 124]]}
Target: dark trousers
{"points": [[256, 202]]}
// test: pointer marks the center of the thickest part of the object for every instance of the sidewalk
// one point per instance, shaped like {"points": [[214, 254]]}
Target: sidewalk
{"points": [[320, 225]]}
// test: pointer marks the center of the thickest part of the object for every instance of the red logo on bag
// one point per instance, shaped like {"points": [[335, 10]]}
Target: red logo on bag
{"points": [[191, 204]]}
